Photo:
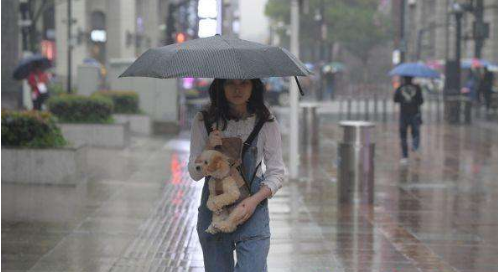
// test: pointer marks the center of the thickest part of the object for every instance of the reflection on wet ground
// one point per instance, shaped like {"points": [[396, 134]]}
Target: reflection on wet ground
{"points": [[138, 210]]}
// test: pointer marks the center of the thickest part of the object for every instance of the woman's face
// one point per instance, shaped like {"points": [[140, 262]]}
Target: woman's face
{"points": [[238, 91]]}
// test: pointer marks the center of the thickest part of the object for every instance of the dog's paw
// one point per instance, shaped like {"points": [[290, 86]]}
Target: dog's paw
{"points": [[213, 206], [212, 229]]}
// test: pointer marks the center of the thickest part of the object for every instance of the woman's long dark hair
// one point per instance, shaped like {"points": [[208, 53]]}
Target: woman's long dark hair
{"points": [[219, 110]]}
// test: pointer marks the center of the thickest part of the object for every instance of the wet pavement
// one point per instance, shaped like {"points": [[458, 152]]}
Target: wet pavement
{"points": [[138, 210]]}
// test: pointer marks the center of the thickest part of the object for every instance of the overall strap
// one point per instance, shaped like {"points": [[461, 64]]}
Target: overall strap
{"points": [[253, 135], [209, 129]]}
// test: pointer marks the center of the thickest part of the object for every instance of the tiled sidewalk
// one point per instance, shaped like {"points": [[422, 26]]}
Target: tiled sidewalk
{"points": [[138, 211]]}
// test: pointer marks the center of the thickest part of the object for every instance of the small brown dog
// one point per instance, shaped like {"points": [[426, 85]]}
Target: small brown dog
{"points": [[224, 189]]}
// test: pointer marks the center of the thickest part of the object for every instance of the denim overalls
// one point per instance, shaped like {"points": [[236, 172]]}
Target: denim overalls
{"points": [[251, 240]]}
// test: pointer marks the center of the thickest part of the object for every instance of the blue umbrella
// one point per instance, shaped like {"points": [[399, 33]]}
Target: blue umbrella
{"points": [[467, 63], [27, 64], [411, 69]]}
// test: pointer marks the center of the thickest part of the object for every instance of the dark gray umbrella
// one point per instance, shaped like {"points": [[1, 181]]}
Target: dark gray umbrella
{"points": [[27, 64], [217, 57]]}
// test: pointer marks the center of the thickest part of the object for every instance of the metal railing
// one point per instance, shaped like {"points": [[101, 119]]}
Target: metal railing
{"points": [[376, 108]]}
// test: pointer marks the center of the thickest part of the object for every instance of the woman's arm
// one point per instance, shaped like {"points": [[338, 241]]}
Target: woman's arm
{"points": [[198, 138], [276, 173], [248, 205]]}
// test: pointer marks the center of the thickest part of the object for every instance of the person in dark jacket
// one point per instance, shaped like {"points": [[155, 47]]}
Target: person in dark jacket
{"points": [[486, 87], [409, 96]]}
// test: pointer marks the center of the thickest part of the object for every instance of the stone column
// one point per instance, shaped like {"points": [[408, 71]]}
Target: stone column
{"points": [[79, 26], [10, 53], [121, 31]]}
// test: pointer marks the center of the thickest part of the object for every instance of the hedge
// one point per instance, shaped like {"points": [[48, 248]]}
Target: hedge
{"points": [[125, 102], [81, 109], [33, 129]]}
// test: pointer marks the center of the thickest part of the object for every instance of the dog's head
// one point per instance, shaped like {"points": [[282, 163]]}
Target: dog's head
{"points": [[213, 163]]}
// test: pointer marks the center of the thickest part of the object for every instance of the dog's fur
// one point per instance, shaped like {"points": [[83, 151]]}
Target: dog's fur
{"points": [[217, 165]]}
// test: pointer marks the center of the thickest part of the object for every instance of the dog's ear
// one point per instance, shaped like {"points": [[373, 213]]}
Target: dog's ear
{"points": [[214, 164]]}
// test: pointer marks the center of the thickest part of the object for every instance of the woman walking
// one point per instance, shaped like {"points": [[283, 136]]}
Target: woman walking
{"points": [[237, 107]]}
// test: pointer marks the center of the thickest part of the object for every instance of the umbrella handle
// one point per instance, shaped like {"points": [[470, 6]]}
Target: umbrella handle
{"points": [[299, 86]]}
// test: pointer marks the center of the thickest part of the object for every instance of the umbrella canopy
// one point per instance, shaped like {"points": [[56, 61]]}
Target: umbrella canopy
{"points": [[469, 63], [414, 70], [27, 64], [217, 57]]}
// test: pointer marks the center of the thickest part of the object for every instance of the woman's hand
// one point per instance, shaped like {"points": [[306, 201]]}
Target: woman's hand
{"points": [[214, 139], [246, 209], [247, 206]]}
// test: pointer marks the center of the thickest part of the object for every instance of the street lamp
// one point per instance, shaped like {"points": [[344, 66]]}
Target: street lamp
{"points": [[457, 9], [453, 98]]}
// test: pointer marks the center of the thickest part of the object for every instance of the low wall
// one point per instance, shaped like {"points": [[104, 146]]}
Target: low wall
{"points": [[44, 166], [139, 124], [97, 135]]}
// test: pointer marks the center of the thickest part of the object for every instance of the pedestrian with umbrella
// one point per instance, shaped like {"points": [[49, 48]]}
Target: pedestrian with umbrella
{"points": [[236, 109], [409, 96], [33, 69]]}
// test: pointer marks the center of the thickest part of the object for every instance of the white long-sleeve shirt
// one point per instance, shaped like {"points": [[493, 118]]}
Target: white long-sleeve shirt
{"points": [[269, 148]]}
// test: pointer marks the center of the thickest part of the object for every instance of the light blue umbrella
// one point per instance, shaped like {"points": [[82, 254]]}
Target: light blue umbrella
{"points": [[411, 69], [467, 63]]}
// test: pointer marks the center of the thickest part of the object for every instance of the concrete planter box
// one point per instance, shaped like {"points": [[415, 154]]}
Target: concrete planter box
{"points": [[139, 124], [97, 135], [65, 165]]}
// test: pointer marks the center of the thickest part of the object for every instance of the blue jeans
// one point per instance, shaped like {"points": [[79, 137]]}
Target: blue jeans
{"points": [[413, 122], [250, 240]]}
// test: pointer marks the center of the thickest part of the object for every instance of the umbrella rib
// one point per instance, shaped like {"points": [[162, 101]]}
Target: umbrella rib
{"points": [[267, 64], [236, 55]]}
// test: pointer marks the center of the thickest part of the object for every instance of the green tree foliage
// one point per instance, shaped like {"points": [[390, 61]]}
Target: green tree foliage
{"points": [[356, 24]]}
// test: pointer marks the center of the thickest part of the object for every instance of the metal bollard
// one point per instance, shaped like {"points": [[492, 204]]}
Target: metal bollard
{"points": [[310, 124], [384, 110], [341, 100], [358, 109], [349, 108], [376, 110], [367, 109], [438, 110], [356, 164]]}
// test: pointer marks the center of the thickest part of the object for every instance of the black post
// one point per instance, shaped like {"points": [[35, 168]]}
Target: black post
{"points": [[69, 44], [402, 42], [322, 30], [452, 101], [419, 43], [478, 28], [24, 7], [458, 48], [321, 93]]}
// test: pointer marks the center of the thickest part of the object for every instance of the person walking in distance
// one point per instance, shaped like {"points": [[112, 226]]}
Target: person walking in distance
{"points": [[38, 81], [409, 96]]}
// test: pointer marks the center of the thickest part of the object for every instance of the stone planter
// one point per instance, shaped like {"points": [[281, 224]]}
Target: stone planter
{"points": [[65, 165], [97, 135], [139, 124]]}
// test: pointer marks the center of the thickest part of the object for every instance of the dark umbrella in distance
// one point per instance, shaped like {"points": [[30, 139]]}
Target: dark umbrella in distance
{"points": [[27, 64], [217, 57]]}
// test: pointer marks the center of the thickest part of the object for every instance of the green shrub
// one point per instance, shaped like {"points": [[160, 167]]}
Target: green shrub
{"points": [[56, 89], [125, 102], [32, 129], [81, 109]]}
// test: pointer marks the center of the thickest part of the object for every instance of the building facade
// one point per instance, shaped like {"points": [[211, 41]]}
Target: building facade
{"points": [[430, 30]]}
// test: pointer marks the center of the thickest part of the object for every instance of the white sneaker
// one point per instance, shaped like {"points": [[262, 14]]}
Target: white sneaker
{"points": [[404, 161]]}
